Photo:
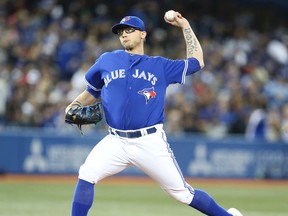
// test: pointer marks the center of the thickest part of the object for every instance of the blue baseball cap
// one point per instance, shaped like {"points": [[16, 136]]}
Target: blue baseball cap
{"points": [[131, 21]]}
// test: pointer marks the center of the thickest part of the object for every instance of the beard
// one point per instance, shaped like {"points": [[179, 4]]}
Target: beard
{"points": [[128, 46]]}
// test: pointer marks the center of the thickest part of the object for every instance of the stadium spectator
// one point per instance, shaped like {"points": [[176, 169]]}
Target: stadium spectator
{"points": [[45, 45]]}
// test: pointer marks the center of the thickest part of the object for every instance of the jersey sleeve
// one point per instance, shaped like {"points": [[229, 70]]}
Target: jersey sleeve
{"points": [[93, 79], [177, 70]]}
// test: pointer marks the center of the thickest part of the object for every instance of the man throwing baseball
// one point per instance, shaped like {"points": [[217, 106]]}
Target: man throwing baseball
{"points": [[132, 88]]}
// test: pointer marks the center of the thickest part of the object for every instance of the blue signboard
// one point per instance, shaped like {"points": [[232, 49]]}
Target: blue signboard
{"points": [[42, 153]]}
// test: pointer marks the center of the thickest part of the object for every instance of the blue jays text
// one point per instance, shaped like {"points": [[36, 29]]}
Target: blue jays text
{"points": [[121, 73]]}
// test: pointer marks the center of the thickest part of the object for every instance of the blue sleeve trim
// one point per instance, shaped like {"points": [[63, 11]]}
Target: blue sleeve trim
{"points": [[192, 65], [184, 74], [96, 93], [91, 86]]}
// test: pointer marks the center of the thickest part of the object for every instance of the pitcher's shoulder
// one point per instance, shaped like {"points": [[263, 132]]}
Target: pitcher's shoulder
{"points": [[112, 54]]}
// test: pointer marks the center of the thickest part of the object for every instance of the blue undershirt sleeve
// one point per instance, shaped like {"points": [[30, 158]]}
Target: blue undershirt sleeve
{"points": [[193, 66]]}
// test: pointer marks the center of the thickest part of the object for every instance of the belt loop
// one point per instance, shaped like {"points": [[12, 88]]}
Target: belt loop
{"points": [[144, 132], [113, 131]]}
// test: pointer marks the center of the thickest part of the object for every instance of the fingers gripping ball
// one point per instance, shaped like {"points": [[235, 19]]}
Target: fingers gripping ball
{"points": [[83, 115], [170, 15]]}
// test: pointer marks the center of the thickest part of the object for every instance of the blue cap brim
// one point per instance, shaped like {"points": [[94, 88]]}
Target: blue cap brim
{"points": [[118, 26]]}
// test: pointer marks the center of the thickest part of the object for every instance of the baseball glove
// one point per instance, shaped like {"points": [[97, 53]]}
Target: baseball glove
{"points": [[84, 115]]}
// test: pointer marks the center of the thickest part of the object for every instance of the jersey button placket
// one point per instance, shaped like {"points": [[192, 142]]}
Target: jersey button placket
{"points": [[130, 88], [129, 93]]}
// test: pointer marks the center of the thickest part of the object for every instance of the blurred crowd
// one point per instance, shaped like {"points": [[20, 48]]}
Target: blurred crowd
{"points": [[46, 46]]}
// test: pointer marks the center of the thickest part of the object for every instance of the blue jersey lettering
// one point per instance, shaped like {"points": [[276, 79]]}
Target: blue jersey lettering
{"points": [[114, 75], [146, 76], [136, 86]]}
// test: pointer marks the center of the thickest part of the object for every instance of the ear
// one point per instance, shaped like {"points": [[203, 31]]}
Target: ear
{"points": [[143, 34]]}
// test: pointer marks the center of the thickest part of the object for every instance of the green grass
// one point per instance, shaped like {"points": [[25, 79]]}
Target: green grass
{"points": [[44, 199]]}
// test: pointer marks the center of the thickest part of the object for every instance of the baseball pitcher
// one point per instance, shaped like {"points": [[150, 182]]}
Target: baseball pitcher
{"points": [[132, 88]]}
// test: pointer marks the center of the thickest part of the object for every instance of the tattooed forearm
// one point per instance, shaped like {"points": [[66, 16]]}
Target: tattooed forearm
{"points": [[191, 42]]}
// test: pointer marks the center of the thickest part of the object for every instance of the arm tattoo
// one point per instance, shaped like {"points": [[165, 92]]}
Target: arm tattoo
{"points": [[191, 42]]}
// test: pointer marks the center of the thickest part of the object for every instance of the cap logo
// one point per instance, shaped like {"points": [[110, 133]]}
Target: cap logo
{"points": [[131, 21], [125, 19]]}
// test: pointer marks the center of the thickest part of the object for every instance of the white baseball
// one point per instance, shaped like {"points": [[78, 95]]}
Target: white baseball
{"points": [[170, 15]]}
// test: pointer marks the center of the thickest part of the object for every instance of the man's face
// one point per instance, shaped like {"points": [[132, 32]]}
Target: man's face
{"points": [[131, 37]]}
